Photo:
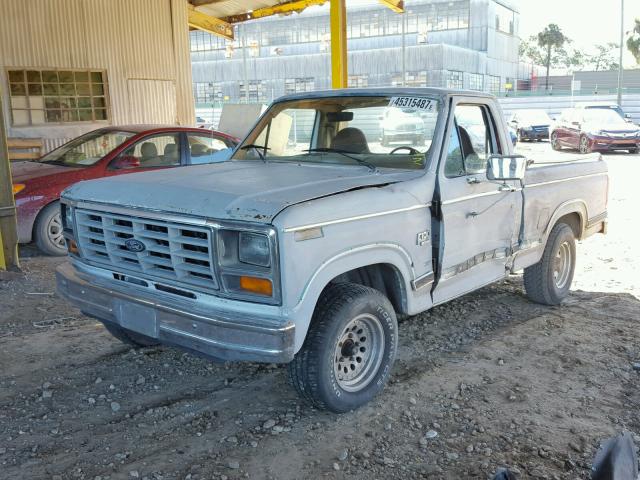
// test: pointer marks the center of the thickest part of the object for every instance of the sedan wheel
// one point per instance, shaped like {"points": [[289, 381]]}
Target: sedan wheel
{"points": [[554, 141], [584, 145], [48, 231]]}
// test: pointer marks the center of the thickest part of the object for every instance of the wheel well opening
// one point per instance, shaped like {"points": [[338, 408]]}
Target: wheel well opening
{"points": [[385, 278], [574, 221]]}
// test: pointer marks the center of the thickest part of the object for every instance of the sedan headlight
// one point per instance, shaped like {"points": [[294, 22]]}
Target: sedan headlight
{"points": [[18, 187], [248, 264]]}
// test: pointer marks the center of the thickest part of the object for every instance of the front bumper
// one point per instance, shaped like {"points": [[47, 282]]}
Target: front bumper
{"points": [[218, 334], [613, 143]]}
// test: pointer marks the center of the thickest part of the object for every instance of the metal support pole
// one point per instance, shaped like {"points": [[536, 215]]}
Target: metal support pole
{"points": [[8, 228], [338, 44], [620, 69], [404, 48]]}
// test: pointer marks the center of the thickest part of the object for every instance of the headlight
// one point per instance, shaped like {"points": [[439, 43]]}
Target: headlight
{"points": [[66, 212], [253, 248], [18, 187], [248, 264]]}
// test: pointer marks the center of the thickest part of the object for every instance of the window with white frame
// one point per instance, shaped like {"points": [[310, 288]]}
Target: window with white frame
{"points": [[57, 96], [475, 81], [455, 80], [358, 81], [294, 85], [492, 84]]}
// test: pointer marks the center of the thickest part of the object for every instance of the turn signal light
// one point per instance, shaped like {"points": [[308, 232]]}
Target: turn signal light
{"points": [[260, 286], [72, 246], [18, 187]]}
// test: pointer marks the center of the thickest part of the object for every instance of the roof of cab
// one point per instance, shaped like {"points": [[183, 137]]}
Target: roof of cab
{"points": [[384, 91]]}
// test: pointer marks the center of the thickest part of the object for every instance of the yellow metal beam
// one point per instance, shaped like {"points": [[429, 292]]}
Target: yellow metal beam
{"points": [[338, 44], [395, 5], [287, 8], [207, 23], [8, 228]]}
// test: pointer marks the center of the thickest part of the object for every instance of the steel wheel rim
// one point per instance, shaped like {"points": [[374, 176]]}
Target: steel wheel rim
{"points": [[359, 352], [562, 265], [54, 231], [583, 145]]}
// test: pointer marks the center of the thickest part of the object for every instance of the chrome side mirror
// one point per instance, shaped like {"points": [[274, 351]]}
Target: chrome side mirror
{"points": [[506, 167]]}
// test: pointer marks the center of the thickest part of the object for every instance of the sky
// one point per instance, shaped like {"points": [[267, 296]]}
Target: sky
{"points": [[586, 22]]}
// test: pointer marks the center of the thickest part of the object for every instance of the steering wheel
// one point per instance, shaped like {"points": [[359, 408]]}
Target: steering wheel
{"points": [[412, 151]]}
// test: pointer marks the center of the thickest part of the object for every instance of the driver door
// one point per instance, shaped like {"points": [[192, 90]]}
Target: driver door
{"points": [[479, 217]]}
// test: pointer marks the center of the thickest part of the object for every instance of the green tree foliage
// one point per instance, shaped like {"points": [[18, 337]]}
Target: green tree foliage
{"points": [[550, 39], [633, 42], [605, 57]]}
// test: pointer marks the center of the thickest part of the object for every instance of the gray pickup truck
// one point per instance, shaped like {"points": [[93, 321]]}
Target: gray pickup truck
{"points": [[307, 244]]}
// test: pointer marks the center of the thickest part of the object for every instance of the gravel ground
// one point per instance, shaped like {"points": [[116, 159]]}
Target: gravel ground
{"points": [[485, 381]]}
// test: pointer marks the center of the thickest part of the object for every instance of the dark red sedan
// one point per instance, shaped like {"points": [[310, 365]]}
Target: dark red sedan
{"points": [[594, 130], [102, 153]]}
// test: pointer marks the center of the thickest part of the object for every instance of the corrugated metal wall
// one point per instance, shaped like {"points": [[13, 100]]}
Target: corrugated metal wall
{"points": [[143, 40]]}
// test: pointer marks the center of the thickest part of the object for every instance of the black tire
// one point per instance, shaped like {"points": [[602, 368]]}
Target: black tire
{"points": [[583, 145], [313, 371], [555, 144], [633, 151], [47, 231], [542, 281], [134, 339]]}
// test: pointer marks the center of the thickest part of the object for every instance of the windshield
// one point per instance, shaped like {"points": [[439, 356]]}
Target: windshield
{"points": [[534, 117], [376, 131], [612, 108], [87, 149], [602, 116]]}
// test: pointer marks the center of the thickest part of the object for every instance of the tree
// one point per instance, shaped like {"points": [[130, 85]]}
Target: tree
{"points": [[566, 57], [605, 57], [633, 42], [550, 38]]}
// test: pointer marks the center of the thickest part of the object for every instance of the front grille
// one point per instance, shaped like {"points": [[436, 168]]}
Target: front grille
{"points": [[178, 252]]}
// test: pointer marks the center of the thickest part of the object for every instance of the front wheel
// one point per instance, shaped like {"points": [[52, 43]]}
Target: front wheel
{"points": [[584, 146], [633, 150], [48, 231], [554, 141], [548, 281], [350, 348]]}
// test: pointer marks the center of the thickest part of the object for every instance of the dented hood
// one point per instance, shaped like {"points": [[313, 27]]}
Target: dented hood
{"points": [[238, 190]]}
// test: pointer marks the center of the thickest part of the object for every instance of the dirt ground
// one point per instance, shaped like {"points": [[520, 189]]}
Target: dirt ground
{"points": [[488, 380]]}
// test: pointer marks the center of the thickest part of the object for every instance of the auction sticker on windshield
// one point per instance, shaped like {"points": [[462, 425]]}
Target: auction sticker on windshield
{"points": [[420, 103]]}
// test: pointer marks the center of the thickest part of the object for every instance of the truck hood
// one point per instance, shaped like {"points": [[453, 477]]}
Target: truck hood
{"points": [[236, 190]]}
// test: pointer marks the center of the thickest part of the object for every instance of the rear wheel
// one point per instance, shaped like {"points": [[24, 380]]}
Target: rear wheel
{"points": [[583, 145], [350, 348], [548, 281], [48, 231], [134, 339]]}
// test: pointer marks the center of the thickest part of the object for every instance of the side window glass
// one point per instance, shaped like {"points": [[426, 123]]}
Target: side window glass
{"points": [[207, 149], [475, 136], [454, 164], [150, 152]]}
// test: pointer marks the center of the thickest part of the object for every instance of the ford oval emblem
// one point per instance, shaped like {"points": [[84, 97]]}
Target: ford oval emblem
{"points": [[134, 245]]}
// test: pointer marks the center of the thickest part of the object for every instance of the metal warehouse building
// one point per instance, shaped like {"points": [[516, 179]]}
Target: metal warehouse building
{"points": [[70, 66], [458, 44]]}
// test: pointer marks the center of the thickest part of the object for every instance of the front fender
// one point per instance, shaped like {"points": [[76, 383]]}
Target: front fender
{"points": [[342, 262]]}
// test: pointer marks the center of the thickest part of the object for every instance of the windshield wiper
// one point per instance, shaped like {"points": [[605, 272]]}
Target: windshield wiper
{"points": [[257, 149], [345, 153]]}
